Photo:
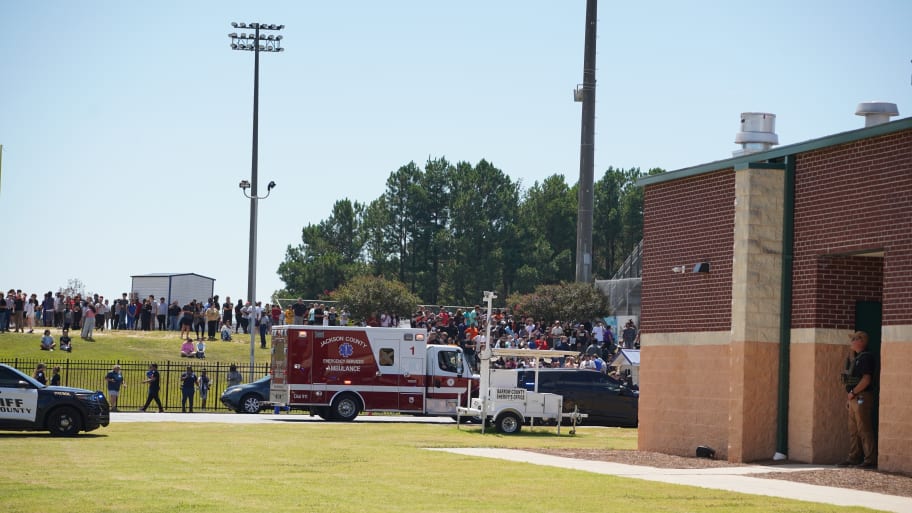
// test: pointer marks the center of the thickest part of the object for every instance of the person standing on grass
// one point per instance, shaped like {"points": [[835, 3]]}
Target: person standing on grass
{"points": [[234, 376], [188, 389], [114, 381], [30, 307], [153, 379], [131, 315], [300, 310], [199, 320], [4, 314], [145, 314], [19, 311], [276, 314], [204, 384], [47, 306], [227, 311], [162, 314], [88, 322], [174, 315], [212, 319], [263, 321], [121, 309], [40, 374], [55, 376], [186, 321]]}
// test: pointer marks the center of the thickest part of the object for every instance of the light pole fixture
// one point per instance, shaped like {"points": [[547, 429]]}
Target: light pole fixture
{"points": [[254, 42]]}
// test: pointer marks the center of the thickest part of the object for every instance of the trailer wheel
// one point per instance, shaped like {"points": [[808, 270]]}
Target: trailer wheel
{"points": [[64, 421], [508, 423], [345, 408]]}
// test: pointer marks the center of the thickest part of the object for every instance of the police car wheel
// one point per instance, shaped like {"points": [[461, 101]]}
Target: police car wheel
{"points": [[250, 403], [64, 421], [509, 423], [345, 408]]}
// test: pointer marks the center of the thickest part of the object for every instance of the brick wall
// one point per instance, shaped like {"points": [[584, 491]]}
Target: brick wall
{"points": [[840, 282], [851, 198], [688, 221]]}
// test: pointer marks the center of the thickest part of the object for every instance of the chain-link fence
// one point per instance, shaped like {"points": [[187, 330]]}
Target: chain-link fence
{"points": [[90, 374]]}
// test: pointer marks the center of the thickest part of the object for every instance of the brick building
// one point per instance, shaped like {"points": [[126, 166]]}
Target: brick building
{"points": [[805, 243]]}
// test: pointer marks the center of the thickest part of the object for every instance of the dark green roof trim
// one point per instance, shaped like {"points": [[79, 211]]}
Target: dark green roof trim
{"points": [[763, 165], [745, 161]]}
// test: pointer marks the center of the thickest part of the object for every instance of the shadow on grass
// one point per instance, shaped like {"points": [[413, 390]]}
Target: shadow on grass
{"points": [[363, 420], [525, 433], [45, 434]]}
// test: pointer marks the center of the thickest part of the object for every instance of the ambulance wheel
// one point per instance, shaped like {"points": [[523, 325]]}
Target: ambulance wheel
{"points": [[345, 408], [508, 423], [64, 421]]}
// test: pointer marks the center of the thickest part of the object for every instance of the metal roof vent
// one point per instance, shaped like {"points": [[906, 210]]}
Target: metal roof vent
{"points": [[876, 113], [758, 133]]}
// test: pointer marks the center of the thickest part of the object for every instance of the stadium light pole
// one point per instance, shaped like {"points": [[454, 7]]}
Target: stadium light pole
{"points": [[254, 42]]}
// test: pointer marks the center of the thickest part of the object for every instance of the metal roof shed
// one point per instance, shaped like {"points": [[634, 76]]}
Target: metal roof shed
{"points": [[180, 287]]}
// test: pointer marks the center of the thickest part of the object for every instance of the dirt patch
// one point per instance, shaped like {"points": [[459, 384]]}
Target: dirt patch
{"points": [[855, 479], [648, 459]]}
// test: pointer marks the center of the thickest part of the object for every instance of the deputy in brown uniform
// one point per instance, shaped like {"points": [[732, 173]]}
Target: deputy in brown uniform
{"points": [[861, 367]]}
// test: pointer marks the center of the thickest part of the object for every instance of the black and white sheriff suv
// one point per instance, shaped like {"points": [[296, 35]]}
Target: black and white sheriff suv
{"points": [[27, 405]]}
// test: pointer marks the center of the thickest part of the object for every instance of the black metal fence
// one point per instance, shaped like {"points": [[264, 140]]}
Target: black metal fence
{"points": [[90, 374]]}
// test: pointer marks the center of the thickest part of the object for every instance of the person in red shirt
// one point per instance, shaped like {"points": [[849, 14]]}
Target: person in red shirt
{"points": [[276, 314]]}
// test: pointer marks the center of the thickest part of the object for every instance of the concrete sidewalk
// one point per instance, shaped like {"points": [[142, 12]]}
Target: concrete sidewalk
{"points": [[731, 479]]}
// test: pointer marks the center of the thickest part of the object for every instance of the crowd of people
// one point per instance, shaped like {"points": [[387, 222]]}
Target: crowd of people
{"points": [[205, 320], [23, 313], [198, 321], [595, 343]]}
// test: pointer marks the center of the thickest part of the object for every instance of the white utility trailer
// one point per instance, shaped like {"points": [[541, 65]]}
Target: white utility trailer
{"points": [[506, 405], [502, 401]]}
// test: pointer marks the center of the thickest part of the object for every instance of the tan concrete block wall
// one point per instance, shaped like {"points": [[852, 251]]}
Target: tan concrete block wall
{"points": [[757, 257], [895, 435], [684, 393], [801, 403], [817, 415], [831, 439], [756, 275], [753, 403]]}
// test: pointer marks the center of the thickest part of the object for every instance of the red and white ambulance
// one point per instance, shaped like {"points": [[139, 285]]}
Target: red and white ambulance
{"points": [[338, 372]]}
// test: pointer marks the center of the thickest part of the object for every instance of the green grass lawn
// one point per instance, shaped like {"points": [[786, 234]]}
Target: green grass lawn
{"points": [[323, 467], [310, 467], [128, 346]]}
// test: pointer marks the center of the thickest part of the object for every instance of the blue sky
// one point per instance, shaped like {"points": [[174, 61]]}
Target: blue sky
{"points": [[126, 126]]}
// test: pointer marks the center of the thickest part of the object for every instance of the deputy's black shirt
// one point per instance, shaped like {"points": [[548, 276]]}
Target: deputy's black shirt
{"points": [[864, 363]]}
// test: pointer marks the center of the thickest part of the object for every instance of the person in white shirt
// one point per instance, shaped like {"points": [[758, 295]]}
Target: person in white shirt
{"points": [[598, 332], [161, 313]]}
